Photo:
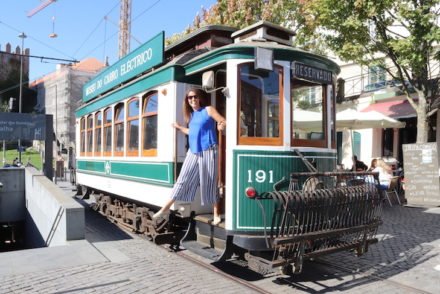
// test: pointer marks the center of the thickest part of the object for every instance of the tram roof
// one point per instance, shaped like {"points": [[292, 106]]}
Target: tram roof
{"points": [[202, 49], [246, 50]]}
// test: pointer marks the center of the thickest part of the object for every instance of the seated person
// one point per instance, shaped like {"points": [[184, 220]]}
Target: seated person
{"points": [[385, 174], [373, 165], [358, 165]]}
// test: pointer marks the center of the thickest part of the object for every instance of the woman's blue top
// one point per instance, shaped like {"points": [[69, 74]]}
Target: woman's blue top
{"points": [[202, 133]]}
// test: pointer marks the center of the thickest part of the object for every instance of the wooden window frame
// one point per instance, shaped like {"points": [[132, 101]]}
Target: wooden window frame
{"points": [[98, 131], [115, 124], [105, 125], [82, 140], [130, 119], [89, 129], [145, 100], [307, 142], [278, 141]]}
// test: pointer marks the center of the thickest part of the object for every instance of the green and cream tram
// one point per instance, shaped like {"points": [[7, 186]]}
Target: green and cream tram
{"points": [[279, 103]]}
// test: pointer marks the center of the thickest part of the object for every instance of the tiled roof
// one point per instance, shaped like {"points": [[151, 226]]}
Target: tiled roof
{"points": [[89, 65]]}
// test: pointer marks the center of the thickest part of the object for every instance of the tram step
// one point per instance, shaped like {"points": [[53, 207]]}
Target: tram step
{"points": [[209, 235], [204, 227], [215, 243], [207, 219]]}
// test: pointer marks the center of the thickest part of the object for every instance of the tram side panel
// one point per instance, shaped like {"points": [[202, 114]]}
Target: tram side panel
{"points": [[146, 180]]}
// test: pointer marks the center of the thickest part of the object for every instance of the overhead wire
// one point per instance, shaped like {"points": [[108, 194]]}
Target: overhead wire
{"points": [[148, 8], [96, 27], [135, 18], [36, 40], [90, 34]]}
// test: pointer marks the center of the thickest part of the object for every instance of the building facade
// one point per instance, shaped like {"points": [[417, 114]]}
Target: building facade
{"points": [[373, 89], [59, 94]]}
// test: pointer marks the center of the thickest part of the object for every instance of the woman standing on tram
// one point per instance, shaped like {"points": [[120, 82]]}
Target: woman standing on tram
{"points": [[200, 165]]}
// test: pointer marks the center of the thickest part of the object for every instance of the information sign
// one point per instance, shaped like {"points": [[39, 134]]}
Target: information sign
{"points": [[310, 73], [143, 58], [23, 126], [421, 173]]}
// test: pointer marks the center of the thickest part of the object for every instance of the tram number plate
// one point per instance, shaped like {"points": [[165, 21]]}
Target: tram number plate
{"points": [[260, 176]]}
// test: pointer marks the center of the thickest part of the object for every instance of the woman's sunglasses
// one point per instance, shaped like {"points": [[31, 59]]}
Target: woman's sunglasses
{"points": [[192, 97]]}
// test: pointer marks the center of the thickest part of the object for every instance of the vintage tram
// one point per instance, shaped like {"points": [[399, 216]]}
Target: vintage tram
{"points": [[279, 103]]}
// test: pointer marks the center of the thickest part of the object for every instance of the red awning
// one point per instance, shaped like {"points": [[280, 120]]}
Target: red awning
{"points": [[393, 109]]}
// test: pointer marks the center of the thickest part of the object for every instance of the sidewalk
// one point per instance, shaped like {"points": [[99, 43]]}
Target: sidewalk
{"points": [[108, 261], [406, 260]]}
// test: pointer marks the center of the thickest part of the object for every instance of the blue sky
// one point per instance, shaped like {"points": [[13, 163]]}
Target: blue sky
{"points": [[82, 30]]}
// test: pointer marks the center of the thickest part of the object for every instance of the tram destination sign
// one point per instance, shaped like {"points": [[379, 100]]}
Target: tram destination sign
{"points": [[143, 58], [23, 126], [310, 73]]}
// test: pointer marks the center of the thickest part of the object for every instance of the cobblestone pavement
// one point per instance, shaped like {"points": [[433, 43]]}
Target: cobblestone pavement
{"points": [[406, 260]]}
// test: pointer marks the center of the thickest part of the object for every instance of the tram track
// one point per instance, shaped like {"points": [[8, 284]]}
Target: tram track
{"points": [[226, 275], [200, 261], [183, 254]]}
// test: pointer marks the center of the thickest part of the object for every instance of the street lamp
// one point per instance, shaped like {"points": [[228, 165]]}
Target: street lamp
{"points": [[22, 36]]}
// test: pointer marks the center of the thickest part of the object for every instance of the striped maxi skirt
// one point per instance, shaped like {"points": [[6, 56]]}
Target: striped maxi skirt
{"points": [[198, 170]]}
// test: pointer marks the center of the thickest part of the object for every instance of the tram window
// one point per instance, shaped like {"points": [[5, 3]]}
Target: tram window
{"points": [[308, 114], [119, 129], [82, 148], [149, 125], [108, 132], [133, 127], [260, 105], [98, 133], [89, 149]]}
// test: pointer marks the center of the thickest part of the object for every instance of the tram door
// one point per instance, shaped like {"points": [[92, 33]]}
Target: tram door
{"points": [[220, 104]]}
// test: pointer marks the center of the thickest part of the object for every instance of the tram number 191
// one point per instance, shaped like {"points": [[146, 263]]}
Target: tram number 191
{"points": [[260, 176]]}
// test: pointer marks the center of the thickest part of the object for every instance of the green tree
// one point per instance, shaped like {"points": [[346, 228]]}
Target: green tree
{"points": [[405, 31], [242, 13]]}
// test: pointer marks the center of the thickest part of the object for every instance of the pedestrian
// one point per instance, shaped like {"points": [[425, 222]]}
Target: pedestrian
{"points": [[199, 168], [358, 165], [385, 174], [373, 164]]}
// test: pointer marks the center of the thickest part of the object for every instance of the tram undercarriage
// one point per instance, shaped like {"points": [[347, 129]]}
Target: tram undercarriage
{"points": [[138, 219], [306, 223]]}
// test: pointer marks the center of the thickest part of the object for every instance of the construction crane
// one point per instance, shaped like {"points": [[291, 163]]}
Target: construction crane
{"points": [[124, 23], [124, 28], [40, 7]]}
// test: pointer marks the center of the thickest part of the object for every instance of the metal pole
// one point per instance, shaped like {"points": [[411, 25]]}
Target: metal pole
{"points": [[22, 36], [56, 115], [4, 152]]}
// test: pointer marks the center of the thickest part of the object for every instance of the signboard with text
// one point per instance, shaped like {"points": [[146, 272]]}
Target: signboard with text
{"points": [[23, 126], [143, 58], [309, 73], [421, 173]]}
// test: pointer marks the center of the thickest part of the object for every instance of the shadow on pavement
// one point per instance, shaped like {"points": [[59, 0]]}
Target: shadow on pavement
{"points": [[404, 243], [238, 269], [99, 228]]}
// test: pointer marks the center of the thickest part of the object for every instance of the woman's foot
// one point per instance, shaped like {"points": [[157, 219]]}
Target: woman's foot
{"points": [[217, 219], [161, 214]]}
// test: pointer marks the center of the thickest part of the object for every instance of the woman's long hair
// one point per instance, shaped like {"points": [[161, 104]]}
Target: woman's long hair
{"points": [[203, 100], [381, 163]]}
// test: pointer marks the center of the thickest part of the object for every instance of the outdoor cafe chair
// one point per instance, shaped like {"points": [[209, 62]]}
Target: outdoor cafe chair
{"points": [[392, 189]]}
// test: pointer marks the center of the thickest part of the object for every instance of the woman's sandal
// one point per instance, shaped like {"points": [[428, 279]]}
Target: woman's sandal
{"points": [[217, 220], [161, 214]]}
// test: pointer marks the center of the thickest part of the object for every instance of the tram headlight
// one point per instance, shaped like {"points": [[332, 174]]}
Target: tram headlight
{"points": [[251, 192]]}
